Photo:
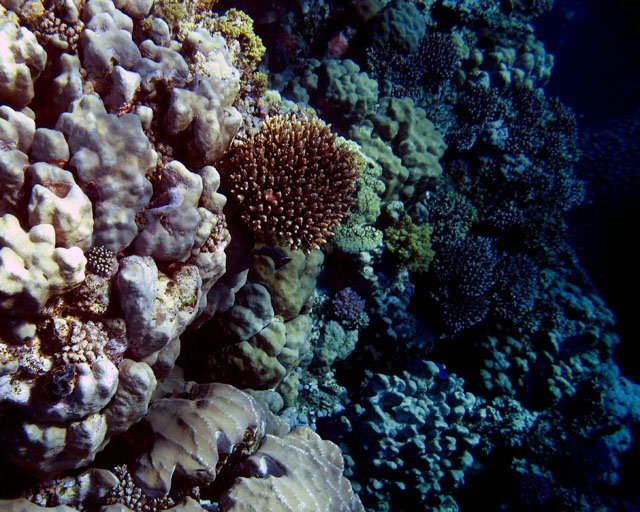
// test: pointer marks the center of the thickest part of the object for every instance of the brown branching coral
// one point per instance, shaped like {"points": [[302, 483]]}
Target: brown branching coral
{"points": [[292, 181]]}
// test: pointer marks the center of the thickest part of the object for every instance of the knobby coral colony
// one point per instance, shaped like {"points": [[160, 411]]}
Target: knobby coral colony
{"points": [[292, 180]]}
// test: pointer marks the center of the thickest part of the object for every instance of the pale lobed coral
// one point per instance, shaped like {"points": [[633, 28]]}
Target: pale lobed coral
{"points": [[91, 188], [205, 108], [23, 59], [56, 199], [111, 155], [32, 268], [112, 236], [170, 228], [157, 307]]}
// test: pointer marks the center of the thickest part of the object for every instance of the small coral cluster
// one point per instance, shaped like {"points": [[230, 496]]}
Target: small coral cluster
{"points": [[347, 304], [410, 244]]}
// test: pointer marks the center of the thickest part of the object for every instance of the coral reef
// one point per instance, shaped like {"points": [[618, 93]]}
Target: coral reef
{"points": [[391, 322]]}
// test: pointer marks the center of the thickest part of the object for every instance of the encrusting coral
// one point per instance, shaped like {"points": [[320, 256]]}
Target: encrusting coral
{"points": [[291, 181]]}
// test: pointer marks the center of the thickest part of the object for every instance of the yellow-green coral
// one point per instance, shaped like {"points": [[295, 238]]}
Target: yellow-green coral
{"points": [[354, 238], [237, 25], [181, 16], [171, 11], [411, 244]]}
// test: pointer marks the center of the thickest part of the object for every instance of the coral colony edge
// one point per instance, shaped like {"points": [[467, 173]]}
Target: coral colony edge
{"points": [[299, 256]]}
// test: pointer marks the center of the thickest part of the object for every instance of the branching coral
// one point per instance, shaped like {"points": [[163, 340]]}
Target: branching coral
{"points": [[235, 25], [292, 181], [411, 244]]}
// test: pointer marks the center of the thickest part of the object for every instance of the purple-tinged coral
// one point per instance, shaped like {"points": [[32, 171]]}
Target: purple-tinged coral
{"points": [[347, 304]]}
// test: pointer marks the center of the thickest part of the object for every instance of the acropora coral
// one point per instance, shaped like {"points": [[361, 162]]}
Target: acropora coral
{"points": [[292, 181]]}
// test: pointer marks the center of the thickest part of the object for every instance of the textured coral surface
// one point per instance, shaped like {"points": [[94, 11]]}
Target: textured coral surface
{"points": [[213, 300]]}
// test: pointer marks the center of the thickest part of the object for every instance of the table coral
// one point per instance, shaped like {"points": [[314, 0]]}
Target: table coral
{"points": [[298, 469], [233, 420]]}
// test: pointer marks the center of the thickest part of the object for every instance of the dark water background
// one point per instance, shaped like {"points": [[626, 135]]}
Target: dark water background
{"points": [[596, 45]]}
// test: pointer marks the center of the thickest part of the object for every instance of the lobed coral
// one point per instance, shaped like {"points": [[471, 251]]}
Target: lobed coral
{"points": [[416, 432], [32, 268], [405, 142]]}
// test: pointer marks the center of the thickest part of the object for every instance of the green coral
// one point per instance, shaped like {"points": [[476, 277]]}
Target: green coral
{"points": [[181, 16], [411, 244], [357, 234], [353, 238], [237, 25]]}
